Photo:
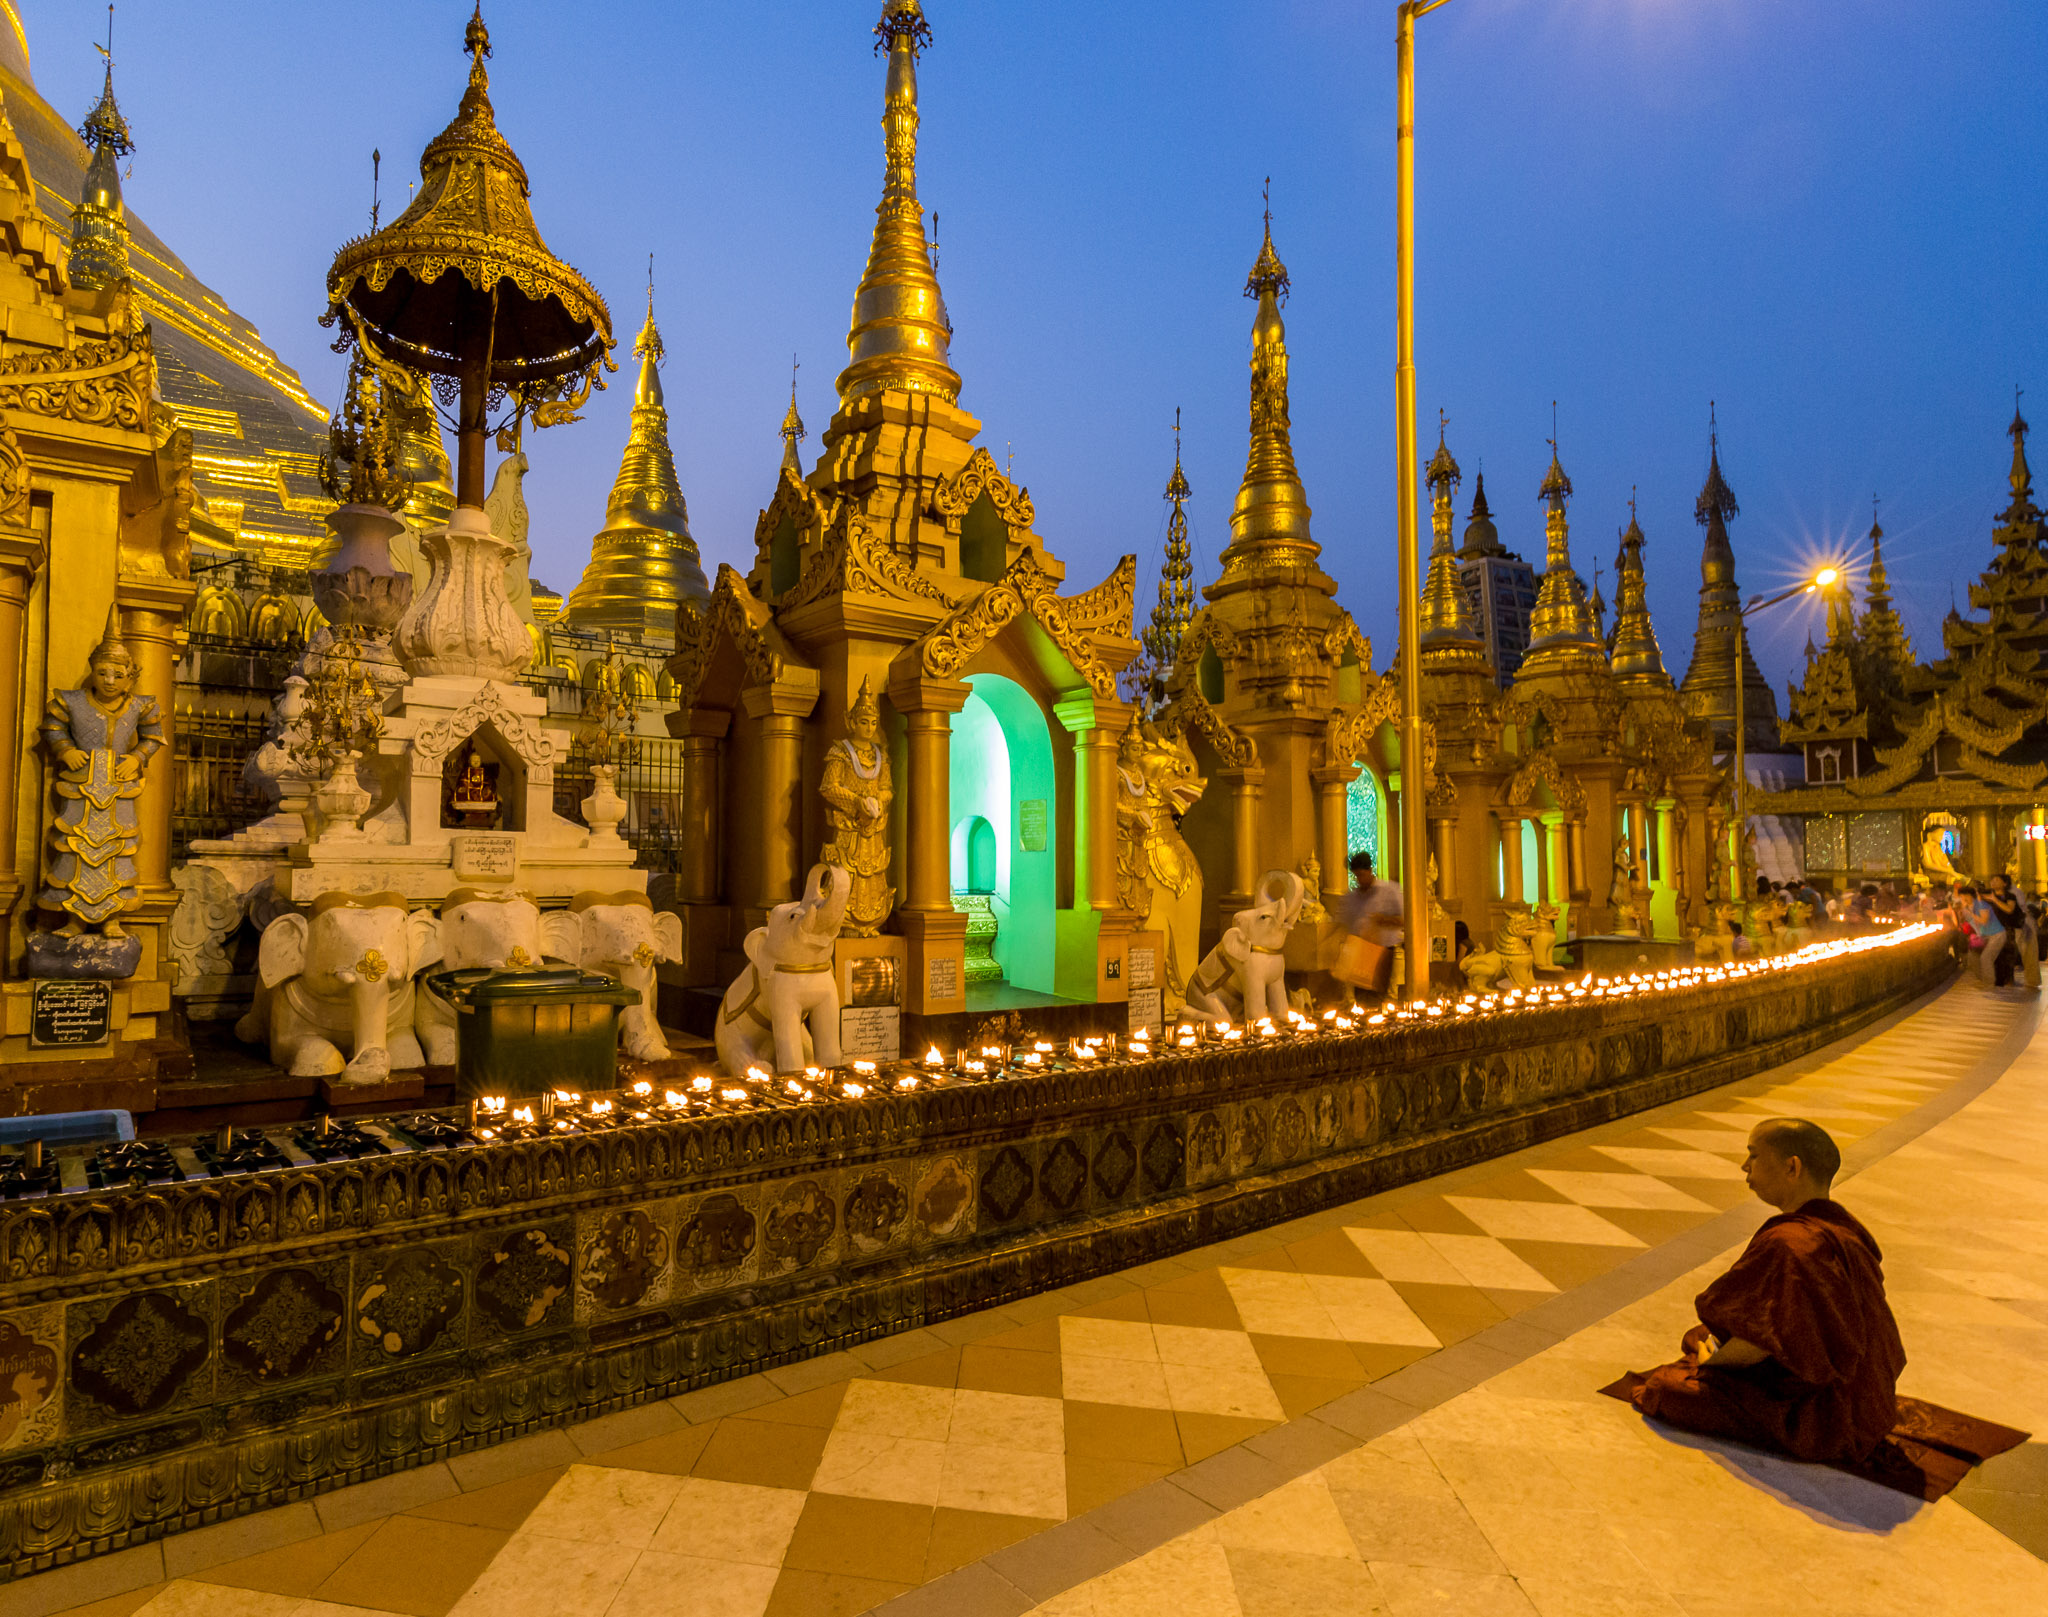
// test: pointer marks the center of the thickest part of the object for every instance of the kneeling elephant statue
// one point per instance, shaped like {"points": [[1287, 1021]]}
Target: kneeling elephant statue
{"points": [[341, 979], [623, 935]]}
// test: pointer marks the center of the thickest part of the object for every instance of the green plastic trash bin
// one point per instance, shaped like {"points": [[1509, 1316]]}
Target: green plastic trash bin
{"points": [[527, 1032]]}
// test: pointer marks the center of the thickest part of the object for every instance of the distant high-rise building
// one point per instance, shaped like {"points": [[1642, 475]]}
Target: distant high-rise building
{"points": [[1501, 587]]}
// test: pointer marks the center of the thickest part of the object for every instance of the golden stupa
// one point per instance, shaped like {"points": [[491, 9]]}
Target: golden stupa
{"points": [[644, 561]]}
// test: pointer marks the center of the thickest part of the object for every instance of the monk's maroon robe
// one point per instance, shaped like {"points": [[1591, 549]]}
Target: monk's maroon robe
{"points": [[1809, 1291]]}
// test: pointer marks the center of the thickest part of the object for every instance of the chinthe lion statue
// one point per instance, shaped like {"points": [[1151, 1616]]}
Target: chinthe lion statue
{"points": [[1155, 869], [1513, 955], [1718, 941]]}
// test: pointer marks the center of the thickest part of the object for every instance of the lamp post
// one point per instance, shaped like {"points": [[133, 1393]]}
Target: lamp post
{"points": [[1408, 544], [1825, 578]]}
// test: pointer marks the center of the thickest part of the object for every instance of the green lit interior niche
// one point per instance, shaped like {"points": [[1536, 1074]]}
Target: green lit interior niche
{"points": [[1362, 809], [1001, 757]]}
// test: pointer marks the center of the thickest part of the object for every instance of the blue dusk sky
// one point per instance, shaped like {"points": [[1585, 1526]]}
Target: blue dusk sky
{"points": [[1826, 215]]}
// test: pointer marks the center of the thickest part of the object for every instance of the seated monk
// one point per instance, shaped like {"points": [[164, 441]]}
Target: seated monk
{"points": [[1796, 1348]]}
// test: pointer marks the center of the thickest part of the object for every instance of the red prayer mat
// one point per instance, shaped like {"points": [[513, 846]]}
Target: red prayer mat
{"points": [[1929, 1450]]}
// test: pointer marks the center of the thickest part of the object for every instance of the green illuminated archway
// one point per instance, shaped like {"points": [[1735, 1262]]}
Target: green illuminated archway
{"points": [[1002, 773]]}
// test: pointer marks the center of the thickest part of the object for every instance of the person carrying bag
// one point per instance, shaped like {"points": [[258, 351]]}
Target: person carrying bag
{"points": [[1372, 931]]}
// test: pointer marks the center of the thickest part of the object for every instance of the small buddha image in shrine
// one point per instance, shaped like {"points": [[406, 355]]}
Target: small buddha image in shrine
{"points": [[469, 791]]}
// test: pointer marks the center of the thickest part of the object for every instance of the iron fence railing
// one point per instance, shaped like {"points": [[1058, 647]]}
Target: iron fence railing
{"points": [[650, 780], [210, 796]]}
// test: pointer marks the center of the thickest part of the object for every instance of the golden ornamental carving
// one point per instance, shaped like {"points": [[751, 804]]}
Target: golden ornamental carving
{"points": [[1024, 587], [1234, 749], [1207, 632], [855, 560], [693, 650], [1542, 767], [980, 476], [1347, 735], [796, 503], [97, 384], [1110, 607], [14, 481], [746, 621], [1345, 635]]}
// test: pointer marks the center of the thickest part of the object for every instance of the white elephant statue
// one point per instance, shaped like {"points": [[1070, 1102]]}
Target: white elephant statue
{"points": [[478, 928], [339, 979], [623, 935], [789, 983], [1245, 975]]}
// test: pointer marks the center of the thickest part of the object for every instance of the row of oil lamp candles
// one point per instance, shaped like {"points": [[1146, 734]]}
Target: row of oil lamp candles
{"points": [[566, 1111]]}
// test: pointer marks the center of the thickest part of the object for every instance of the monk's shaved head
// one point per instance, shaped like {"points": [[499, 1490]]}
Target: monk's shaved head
{"points": [[1787, 1137]]}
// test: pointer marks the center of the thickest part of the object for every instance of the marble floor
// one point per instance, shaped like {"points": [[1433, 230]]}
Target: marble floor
{"points": [[1389, 1407]]}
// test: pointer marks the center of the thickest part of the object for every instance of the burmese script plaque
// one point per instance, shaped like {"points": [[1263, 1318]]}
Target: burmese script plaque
{"points": [[1031, 823], [67, 1012], [1146, 1012], [871, 1033], [485, 856], [942, 977], [1143, 963]]}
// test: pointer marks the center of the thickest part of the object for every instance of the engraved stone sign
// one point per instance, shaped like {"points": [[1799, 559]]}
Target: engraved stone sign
{"points": [[1031, 823], [485, 855], [1146, 1012], [1143, 963], [942, 977], [70, 1012], [871, 1033]]}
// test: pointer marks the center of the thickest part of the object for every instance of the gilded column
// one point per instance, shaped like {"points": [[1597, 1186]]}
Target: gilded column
{"points": [[2037, 851], [1575, 858], [1244, 843], [1444, 832], [934, 933], [703, 732], [779, 715], [1097, 727], [21, 554], [1333, 828], [1983, 858], [152, 631], [1511, 857]]}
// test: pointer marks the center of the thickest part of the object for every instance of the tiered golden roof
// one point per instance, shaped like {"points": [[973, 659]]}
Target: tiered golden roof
{"points": [[1633, 653], [644, 561], [1562, 634], [1709, 684], [1448, 627], [900, 334]]}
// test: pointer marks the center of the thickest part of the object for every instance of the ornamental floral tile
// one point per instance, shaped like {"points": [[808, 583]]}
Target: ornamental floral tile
{"points": [[138, 1353], [799, 1224], [31, 1359], [522, 1279], [283, 1324], [875, 1214], [408, 1303], [625, 1258], [718, 1240], [943, 1203]]}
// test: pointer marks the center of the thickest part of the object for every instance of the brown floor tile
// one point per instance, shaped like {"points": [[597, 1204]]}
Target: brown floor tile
{"points": [[1452, 1312], [506, 1505], [673, 1453], [762, 1453], [119, 1605], [1122, 1432], [1377, 1360], [961, 1536], [1513, 1302], [993, 1369], [1436, 1216], [1307, 1356], [1566, 1264], [296, 1569], [824, 1594], [861, 1538], [1092, 1482], [1379, 1218], [412, 1565], [1717, 1193], [1202, 1280], [1041, 1336], [941, 1369], [1127, 1305], [1204, 1435], [1331, 1253], [818, 1407], [1216, 1311], [1276, 1259], [1583, 1159], [1517, 1185], [1300, 1394], [1653, 1227]]}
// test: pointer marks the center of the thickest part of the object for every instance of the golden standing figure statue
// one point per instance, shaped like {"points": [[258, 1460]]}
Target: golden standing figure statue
{"points": [[858, 790], [102, 737]]}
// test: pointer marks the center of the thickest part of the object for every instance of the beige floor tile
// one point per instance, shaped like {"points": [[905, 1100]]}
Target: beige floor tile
{"points": [[1429, 1591], [662, 1585], [545, 1577], [1013, 1482], [296, 1569], [1214, 1390], [1273, 1583], [1199, 1347], [1621, 1190], [868, 1465], [1114, 1381], [861, 1538], [1415, 1530], [729, 1521], [894, 1409], [1403, 1254], [1543, 1221], [1276, 1304], [1672, 1163], [1008, 1420], [415, 1566], [1299, 1518], [1107, 1339], [596, 1504], [1185, 1578], [1564, 1595], [1483, 1261], [506, 1505], [183, 1598]]}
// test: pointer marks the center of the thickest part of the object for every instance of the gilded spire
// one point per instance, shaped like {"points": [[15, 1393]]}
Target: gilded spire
{"points": [[1562, 633], [1482, 538], [99, 222], [1881, 631], [2022, 476], [1175, 608], [1635, 656], [792, 428], [1709, 684], [900, 334], [644, 562], [1269, 524], [1447, 621]]}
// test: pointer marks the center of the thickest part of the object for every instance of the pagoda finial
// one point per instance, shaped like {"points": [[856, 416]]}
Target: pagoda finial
{"points": [[792, 425], [900, 332], [1175, 609], [1562, 632], [2022, 474], [1717, 500], [1268, 274], [1443, 468], [1557, 488], [99, 224], [1269, 523], [1448, 626], [1882, 632]]}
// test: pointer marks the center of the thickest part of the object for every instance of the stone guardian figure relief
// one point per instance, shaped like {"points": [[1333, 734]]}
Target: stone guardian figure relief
{"points": [[858, 790]]}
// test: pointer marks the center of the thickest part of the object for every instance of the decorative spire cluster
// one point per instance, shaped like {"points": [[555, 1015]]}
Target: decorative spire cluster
{"points": [[1633, 653], [1269, 524], [1447, 621], [792, 429], [900, 333], [1709, 684], [99, 221], [1175, 609], [1562, 633]]}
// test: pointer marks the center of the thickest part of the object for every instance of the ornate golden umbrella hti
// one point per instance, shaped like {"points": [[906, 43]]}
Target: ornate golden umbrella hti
{"points": [[461, 287]]}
